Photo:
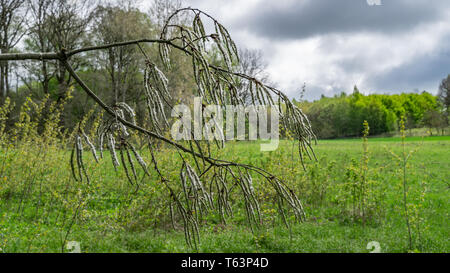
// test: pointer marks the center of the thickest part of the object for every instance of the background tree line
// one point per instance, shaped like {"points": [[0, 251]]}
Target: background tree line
{"points": [[52, 25], [343, 115], [115, 74]]}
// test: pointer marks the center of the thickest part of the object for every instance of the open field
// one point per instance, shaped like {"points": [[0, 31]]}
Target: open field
{"points": [[42, 207], [113, 113]]}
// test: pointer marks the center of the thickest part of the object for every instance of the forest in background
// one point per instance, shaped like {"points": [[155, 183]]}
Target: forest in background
{"points": [[117, 74], [343, 115]]}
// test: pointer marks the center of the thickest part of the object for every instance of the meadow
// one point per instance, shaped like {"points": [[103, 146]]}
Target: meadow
{"points": [[42, 207], [93, 84]]}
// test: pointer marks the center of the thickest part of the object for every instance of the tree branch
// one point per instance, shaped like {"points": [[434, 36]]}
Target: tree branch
{"points": [[212, 161], [29, 56]]}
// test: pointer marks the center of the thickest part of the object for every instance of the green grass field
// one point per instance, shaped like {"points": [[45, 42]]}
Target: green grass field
{"points": [[42, 207]]}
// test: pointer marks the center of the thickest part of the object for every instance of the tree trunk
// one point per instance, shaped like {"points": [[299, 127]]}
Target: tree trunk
{"points": [[7, 87], [2, 86], [63, 84], [45, 81]]}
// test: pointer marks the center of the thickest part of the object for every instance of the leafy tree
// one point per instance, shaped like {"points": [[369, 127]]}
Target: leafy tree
{"points": [[122, 64], [12, 21], [435, 119], [444, 96], [341, 116], [57, 25]]}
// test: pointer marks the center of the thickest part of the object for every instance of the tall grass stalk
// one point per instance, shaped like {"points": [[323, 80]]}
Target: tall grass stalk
{"points": [[405, 158], [364, 167]]}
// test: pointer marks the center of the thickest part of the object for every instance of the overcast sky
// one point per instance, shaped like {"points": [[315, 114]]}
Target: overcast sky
{"points": [[398, 46]]}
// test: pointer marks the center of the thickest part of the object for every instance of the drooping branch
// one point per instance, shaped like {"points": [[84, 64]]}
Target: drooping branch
{"points": [[63, 56], [216, 83]]}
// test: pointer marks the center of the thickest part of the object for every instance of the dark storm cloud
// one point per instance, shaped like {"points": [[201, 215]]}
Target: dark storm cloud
{"points": [[424, 73], [307, 18], [401, 46]]}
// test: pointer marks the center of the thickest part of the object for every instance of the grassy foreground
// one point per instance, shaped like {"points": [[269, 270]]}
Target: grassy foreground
{"points": [[42, 207]]}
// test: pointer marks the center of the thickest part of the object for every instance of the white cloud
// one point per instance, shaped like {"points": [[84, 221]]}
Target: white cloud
{"points": [[331, 62]]}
